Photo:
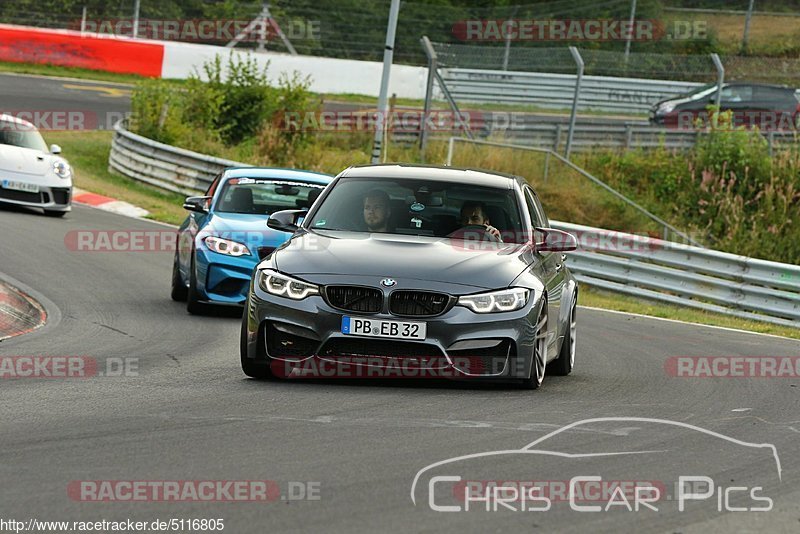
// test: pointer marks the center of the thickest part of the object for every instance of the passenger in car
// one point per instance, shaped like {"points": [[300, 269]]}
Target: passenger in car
{"points": [[474, 214], [377, 211]]}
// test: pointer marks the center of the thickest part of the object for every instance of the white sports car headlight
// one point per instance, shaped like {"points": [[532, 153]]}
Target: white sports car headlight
{"points": [[504, 300], [226, 246], [281, 285], [62, 169]]}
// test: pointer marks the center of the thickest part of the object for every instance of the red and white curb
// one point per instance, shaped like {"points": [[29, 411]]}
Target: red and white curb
{"points": [[113, 205], [19, 312]]}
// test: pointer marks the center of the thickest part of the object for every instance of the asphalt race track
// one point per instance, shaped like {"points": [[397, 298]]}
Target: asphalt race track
{"points": [[186, 412], [97, 105]]}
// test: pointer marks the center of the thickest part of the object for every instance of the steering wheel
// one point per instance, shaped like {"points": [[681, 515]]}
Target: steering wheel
{"points": [[473, 231]]}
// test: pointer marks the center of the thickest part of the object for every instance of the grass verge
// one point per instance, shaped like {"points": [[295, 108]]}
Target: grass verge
{"points": [[69, 72], [597, 298], [87, 152]]}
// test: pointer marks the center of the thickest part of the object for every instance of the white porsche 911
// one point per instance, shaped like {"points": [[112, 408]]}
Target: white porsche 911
{"points": [[30, 173]]}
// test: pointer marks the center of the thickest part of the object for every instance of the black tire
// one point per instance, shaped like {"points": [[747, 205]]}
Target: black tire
{"points": [[179, 289], [253, 368], [193, 304], [562, 366], [539, 363], [54, 213]]}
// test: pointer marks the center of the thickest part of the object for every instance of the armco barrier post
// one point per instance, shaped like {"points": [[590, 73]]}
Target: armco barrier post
{"points": [[720, 77], [507, 50], [579, 62], [432, 66]]}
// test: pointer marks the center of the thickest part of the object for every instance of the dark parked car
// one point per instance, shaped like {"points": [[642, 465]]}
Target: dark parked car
{"points": [[453, 271], [768, 107]]}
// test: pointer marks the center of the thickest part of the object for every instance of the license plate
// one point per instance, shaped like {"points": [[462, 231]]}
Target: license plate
{"points": [[357, 326], [20, 186]]}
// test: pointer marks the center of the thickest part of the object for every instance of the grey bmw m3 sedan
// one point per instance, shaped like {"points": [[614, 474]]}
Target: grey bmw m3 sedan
{"points": [[415, 271]]}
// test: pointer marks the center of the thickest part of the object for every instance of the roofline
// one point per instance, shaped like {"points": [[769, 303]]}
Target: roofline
{"points": [[303, 171], [12, 118], [442, 167]]}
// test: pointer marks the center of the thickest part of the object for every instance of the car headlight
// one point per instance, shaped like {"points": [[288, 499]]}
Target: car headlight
{"points": [[225, 246], [62, 169], [496, 301], [281, 285]]}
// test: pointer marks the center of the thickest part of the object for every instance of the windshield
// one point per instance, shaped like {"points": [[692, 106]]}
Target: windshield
{"points": [[21, 135], [416, 207], [265, 196], [702, 91]]}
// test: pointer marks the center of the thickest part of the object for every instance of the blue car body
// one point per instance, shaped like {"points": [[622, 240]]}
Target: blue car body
{"points": [[209, 277]]}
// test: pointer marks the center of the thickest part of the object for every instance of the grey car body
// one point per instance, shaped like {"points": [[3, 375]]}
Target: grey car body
{"points": [[515, 345]]}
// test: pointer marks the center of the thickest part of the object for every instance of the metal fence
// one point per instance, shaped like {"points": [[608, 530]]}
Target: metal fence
{"points": [[601, 82], [679, 274], [554, 135], [601, 93], [168, 167]]}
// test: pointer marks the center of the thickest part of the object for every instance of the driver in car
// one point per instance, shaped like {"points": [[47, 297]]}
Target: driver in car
{"points": [[474, 214], [376, 211]]}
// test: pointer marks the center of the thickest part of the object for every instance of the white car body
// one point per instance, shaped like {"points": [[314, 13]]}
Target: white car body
{"points": [[29, 175]]}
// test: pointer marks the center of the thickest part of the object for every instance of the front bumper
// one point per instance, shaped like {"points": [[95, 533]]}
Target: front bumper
{"points": [[224, 279], [49, 198], [299, 336]]}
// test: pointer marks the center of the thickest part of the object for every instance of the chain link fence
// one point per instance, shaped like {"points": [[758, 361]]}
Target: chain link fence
{"points": [[355, 29]]}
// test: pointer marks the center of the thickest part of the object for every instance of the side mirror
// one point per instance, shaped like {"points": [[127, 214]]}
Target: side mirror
{"points": [[286, 220], [556, 241], [55, 149], [196, 204]]}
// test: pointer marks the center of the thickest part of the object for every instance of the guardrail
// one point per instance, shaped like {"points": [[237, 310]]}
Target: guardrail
{"points": [[165, 166], [602, 93], [554, 135], [685, 275]]}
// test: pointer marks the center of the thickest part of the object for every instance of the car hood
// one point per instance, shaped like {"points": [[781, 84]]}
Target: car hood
{"points": [[24, 160], [357, 254], [245, 228]]}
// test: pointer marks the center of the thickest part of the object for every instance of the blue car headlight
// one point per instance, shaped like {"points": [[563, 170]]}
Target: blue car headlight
{"points": [[281, 285], [226, 246], [504, 300]]}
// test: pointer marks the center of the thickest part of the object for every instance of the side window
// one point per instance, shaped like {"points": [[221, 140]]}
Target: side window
{"points": [[736, 93], [214, 184], [537, 217]]}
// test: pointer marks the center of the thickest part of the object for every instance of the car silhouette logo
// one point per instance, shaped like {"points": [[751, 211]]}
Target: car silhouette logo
{"points": [[388, 282]]}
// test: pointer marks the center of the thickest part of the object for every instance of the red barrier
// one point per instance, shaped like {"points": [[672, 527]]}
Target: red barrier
{"points": [[70, 49]]}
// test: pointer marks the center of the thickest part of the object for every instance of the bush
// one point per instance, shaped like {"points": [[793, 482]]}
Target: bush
{"points": [[227, 108], [728, 190]]}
